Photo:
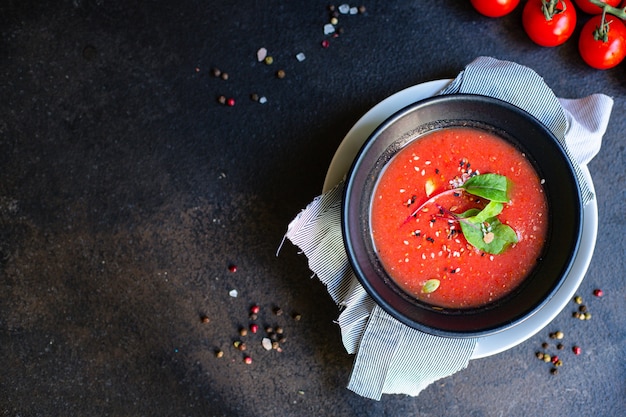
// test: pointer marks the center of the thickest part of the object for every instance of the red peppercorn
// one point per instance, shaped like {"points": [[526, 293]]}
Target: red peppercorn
{"points": [[576, 350], [598, 292], [254, 327], [232, 268]]}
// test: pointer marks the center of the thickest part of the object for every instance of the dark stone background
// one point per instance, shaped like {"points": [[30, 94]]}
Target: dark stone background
{"points": [[126, 190]]}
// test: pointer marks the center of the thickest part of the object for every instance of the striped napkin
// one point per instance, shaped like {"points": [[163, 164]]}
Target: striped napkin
{"points": [[392, 358]]}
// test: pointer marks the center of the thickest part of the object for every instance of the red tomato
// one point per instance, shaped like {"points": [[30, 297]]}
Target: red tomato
{"points": [[494, 8], [598, 53], [551, 32], [591, 8]]}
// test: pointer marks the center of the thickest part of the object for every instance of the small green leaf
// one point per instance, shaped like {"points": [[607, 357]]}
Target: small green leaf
{"points": [[491, 210], [494, 187], [495, 241], [430, 285]]}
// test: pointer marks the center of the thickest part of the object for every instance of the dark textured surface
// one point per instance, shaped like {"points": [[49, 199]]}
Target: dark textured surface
{"points": [[126, 191]]}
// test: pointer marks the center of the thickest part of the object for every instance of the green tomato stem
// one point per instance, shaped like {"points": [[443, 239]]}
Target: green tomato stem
{"points": [[615, 11], [549, 8]]}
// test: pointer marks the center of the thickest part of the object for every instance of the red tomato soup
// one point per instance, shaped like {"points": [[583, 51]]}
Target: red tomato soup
{"points": [[418, 238]]}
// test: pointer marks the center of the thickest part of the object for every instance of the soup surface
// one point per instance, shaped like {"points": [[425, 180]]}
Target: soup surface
{"points": [[416, 229]]}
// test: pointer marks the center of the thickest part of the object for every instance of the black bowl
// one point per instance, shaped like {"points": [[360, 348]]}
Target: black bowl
{"points": [[562, 193]]}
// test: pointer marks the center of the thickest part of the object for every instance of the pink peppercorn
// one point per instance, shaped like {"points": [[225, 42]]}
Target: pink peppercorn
{"points": [[230, 102], [598, 292], [247, 360], [325, 43], [254, 327], [576, 350], [254, 309], [555, 359], [232, 268]]}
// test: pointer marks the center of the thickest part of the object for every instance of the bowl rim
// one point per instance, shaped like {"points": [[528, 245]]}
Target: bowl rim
{"points": [[357, 259]]}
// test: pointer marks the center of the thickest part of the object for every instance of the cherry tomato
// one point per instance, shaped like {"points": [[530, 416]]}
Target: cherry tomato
{"points": [[494, 8], [554, 31], [600, 53], [590, 8]]}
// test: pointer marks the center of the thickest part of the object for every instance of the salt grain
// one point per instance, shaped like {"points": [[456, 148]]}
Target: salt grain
{"points": [[328, 29], [344, 9], [300, 57], [267, 343], [261, 54], [233, 293]]}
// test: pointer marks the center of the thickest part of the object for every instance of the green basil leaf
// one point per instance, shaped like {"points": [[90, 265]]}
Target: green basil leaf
{"points": [[501, 237], [493, 187]]}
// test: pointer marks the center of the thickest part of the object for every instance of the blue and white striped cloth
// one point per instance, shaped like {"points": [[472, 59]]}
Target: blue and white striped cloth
{"points": [[392, 358]]}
